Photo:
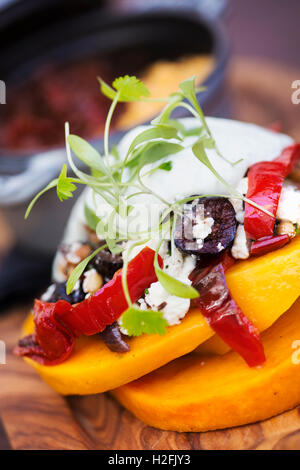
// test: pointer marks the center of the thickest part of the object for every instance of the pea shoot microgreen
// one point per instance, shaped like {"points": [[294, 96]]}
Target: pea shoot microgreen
{"points": [[172, 285], [117, 179], [91, 218]]}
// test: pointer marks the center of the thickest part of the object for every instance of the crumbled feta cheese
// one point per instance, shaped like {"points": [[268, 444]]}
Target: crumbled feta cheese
{"points": [[142, 304], [240, 248], [238, 204], [289, 203], [203, 228], [285, 227], [220, 246], [174, 308], [242, 186], [201, 225]]}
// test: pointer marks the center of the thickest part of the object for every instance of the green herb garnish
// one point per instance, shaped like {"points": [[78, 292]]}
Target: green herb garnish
{"points": [[91, 218], [137, 322], [117, 180]]}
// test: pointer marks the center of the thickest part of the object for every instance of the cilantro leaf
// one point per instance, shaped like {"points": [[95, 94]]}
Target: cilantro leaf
{"points": [[106, 90], [65, 186], [137, 322], [130, 88]]}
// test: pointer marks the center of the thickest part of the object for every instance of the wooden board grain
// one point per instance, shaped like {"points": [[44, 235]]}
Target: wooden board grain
{"points": [[35, 417]]}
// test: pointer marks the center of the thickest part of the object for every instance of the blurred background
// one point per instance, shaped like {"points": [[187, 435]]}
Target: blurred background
{"points": [[245, 52]]}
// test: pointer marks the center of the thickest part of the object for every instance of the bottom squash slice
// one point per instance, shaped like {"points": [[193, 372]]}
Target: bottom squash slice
{"points": [[200, 394], [264, 288]]}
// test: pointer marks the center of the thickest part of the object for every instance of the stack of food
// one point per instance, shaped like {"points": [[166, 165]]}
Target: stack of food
{"points": [[176, 283]]}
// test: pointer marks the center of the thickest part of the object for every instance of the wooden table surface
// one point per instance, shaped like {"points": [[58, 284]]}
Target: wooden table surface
{"points": [[35, 417]]}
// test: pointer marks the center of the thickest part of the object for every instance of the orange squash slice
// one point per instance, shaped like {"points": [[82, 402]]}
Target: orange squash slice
{"points": [[200, 394], [93, 368], [264, 288]]}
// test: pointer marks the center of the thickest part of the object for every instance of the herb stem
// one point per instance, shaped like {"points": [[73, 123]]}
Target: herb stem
{"points": [[152, 193], [125, 268], [106, 138]]}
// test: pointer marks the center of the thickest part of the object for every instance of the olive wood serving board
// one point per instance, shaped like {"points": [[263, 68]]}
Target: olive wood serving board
{"points": [[35, 417]]}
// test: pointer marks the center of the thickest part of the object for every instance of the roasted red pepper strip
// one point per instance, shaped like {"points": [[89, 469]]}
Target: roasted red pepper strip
{"points": [[51, 343], [57, 324], [103, 308], [226, 319], [265, 245], [203, 267], [265, 181], [289, 157], [264, 187]]}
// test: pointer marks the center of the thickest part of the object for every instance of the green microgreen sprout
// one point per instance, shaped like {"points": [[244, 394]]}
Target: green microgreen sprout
{"points": [[135, 320], [118, 180]]}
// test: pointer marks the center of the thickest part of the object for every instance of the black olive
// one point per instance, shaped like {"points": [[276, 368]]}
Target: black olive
{"points": [[59, 293], [106, 264], [223, 229], [113, 339]]}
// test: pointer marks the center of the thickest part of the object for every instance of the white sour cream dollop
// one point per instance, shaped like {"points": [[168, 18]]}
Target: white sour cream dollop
{"points": [[188, 176]]}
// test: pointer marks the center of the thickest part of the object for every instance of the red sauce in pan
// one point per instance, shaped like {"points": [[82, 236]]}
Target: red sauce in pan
{"points": [[36, 110]]}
